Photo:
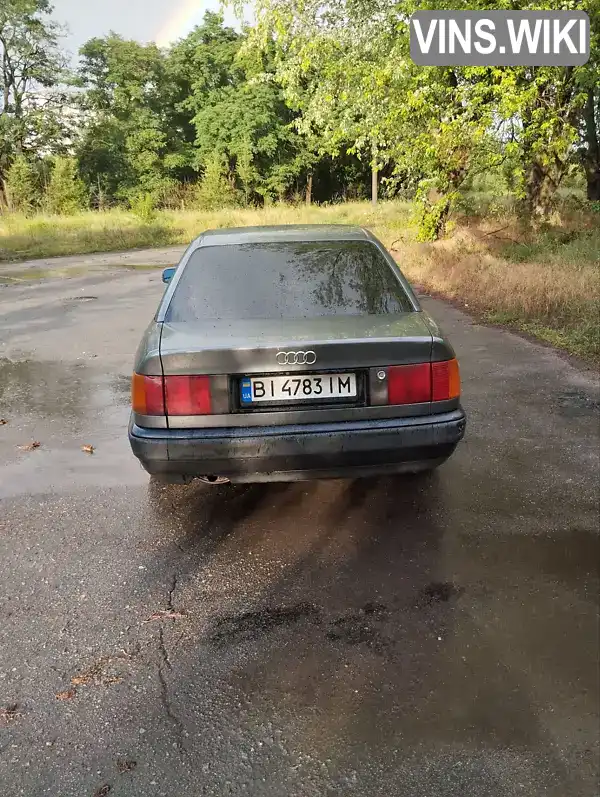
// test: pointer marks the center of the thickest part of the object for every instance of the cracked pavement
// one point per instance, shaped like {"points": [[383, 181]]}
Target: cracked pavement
{"points": [[394, 636]]}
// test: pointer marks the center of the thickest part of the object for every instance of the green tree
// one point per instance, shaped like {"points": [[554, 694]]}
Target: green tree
{"points": [[102, 159], [345, 65], [20, 187], [33, 77], [589, 128], [590, 150], [131, 144], [66, 192], [216, 190]]}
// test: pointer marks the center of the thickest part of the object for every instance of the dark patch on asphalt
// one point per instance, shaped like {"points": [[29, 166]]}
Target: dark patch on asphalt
{"points": [[81, 299], [358, 629], [249, 626], [361, 627], [126, 766], [439, 592], [574, 403], [377, 610]]}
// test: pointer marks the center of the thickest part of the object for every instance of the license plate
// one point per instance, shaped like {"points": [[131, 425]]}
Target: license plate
{"points": [[297, 388]]}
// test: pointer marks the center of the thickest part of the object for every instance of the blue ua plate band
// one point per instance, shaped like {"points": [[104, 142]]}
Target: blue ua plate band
{"points": [[246, 390]]}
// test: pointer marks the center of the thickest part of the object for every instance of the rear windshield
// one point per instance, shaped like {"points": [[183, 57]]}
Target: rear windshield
{"points": [[287, 280]]}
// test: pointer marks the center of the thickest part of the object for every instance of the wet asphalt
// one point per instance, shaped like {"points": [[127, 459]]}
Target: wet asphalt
{"points": [[396, 636]]}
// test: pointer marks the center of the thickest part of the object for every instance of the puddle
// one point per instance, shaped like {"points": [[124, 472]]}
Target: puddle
{"points": [[47, 390], [56, 390], [33, 274]]}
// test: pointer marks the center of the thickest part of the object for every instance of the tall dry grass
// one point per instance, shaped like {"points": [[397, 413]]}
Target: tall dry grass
{"points": [[550, 292]]}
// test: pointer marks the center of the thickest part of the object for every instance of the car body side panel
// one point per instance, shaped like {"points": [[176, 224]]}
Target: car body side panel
{"points": [[148, 363], [395, 268], [441, 348]]}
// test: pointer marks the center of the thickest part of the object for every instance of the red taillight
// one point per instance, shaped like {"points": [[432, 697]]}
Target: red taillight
{"points": [[147, 396], [188, 395], [409, 384], [445, 380], [423, 382], [171, 395]]}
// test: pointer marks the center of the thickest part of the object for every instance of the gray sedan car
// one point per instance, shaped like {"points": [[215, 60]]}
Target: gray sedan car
{"points": [[292, 352]]}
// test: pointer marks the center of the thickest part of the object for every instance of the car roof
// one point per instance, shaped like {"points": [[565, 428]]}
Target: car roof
{"points": [[282, 232]]}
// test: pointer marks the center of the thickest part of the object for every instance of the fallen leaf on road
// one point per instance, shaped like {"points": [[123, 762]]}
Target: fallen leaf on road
{"points": [[10, 713], [166, 615], [88, 449], [88, 678], [70, 693], [3, 421], [126, 766], [96, 674], [30, 446], [103, 790]]}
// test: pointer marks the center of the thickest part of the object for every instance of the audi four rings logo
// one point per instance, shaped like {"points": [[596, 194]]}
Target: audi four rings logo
{"points": [[296, 358]]}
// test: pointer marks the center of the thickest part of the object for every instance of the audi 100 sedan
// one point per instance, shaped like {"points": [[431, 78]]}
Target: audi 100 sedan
{"points": [[292, 352]]}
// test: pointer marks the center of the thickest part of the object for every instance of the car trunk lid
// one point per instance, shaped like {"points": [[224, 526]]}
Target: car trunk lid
{"points": [[251, 346]]}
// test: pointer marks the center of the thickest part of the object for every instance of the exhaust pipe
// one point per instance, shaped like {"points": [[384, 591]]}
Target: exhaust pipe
{"points": [[214, 479]]}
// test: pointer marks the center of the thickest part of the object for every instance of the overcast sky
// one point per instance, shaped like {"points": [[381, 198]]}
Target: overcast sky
{"points": [[144, 20]]}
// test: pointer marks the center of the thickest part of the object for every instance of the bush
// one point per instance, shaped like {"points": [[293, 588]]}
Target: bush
{"points": [[432, 215], [143, 206], [215, 191], [66, 194], [22, 191]]}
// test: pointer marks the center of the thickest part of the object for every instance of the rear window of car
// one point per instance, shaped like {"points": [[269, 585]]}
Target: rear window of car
{"points": [[287, 280]]}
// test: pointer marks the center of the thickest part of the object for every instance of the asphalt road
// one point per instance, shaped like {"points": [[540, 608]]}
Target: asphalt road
{"points": [[388, 637]]}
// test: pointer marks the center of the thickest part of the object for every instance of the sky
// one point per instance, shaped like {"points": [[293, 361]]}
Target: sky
{"points": [[144, 20]]}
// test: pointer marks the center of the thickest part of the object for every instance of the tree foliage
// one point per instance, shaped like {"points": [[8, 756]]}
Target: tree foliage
{"points": [[307, 103], [32, 80], [346, 64], [22, 190], [66, 193]]}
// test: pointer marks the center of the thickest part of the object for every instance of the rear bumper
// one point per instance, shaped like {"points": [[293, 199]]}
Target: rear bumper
{"points": [[302, 451]]}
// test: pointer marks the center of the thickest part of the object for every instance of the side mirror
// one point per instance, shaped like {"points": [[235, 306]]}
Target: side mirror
{"points": [[168, 273]]}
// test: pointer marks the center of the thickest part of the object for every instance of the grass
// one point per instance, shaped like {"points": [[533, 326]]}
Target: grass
{"points": [[24, 238], [545, 285], [543, 288]]}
